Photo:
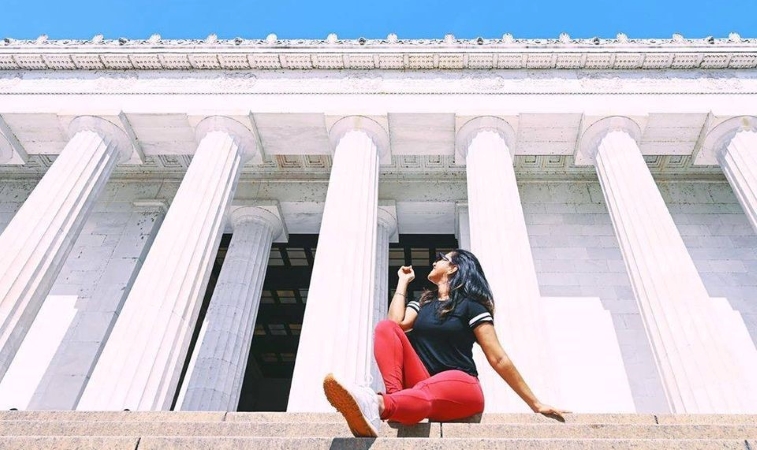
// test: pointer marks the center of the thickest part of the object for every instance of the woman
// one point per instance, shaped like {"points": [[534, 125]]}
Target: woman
{"points": [[430, 373]]}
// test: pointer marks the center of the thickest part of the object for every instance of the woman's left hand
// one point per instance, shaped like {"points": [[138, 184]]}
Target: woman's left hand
{"points": [[550, 411]]}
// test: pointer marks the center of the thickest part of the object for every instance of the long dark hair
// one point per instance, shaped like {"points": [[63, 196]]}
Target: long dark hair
{"points": [[468, 281]]}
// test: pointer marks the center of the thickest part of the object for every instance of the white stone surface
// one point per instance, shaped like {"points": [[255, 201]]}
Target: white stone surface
{"points": [[36, 352], [140, 365], [34, 254], [386, 232], [100, 271], [576, 255], [213, 381], [462, 226], [739, 163], [581, 336], [336, 330], [498, 237], [694, 344], [11, 151]]}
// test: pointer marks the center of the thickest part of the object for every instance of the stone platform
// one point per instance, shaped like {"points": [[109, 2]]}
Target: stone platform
{"points": [[218, 430]]}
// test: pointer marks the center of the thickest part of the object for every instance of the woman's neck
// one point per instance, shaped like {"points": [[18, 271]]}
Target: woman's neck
{"points": [[443, 293]]}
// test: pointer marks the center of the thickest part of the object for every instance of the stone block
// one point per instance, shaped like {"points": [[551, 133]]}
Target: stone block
{"points": [[60, 392], [708, 419], [113, 206], [560, 291], [546, 219], [9, 207], [128, 192], [559, 208], [598, 431], [74, 358], [119, 271], [92, 326], [68, 443], [130, 246], [113, 416], [204, 429], [105, 297]]}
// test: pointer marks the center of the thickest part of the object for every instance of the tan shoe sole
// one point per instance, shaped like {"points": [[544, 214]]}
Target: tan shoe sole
{"points": [[341, 399]]}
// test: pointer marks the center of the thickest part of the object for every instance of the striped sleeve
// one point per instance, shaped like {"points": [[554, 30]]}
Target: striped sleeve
{"points": [[478, 314], [414, 305]]}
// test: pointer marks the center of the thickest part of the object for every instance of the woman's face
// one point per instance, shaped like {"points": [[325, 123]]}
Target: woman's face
{"points": [[442, 268]]}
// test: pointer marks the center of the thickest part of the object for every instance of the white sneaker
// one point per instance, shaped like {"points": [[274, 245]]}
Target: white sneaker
{"points": [[358, 404]]}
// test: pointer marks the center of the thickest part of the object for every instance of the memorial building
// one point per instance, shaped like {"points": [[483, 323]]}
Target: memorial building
{"points": [[213, 225]]}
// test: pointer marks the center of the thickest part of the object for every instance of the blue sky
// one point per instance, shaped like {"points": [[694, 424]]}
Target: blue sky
{"points": [[138, 19]]}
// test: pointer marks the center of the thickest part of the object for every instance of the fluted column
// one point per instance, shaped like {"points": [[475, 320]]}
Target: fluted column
{"points": [[336, 330], [214, 379], [462, 226], [498, 237], [697, 345], [734, 144], [141, 362], [37, 241], [387, 226]]}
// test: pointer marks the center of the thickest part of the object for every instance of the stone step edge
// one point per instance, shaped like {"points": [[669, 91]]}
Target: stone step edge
{"points": [[223, 443], [276, 417]]}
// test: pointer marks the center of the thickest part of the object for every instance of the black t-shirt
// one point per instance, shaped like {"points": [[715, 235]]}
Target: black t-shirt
{"points": [[447, 343]]}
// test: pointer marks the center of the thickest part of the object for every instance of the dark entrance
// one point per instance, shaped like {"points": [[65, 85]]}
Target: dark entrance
{"points": [[285, 290]]}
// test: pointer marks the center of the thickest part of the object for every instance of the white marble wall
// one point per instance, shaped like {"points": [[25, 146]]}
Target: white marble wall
{"points": [[12, 196], [99, 271], [577, 255], [720, 240]]}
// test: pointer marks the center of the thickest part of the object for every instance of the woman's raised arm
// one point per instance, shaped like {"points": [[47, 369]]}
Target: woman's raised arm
{"points": [[398, 310]]}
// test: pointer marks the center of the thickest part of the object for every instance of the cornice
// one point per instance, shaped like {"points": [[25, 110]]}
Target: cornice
{"points": [[332, 53]]}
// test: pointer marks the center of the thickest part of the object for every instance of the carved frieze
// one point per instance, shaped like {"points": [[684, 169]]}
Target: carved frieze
{"points": [[391, 53]]}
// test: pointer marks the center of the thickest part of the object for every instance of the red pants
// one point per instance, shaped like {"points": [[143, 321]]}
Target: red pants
{"points": [[411, 393]]}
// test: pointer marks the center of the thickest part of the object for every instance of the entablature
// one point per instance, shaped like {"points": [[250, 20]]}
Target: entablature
{"points": [[391, 53]]}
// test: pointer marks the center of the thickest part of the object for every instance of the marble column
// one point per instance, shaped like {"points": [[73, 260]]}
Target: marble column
{"points": [[462, 226], [734, 145], [141, 362], [214, 379], [498, 237], [337, 326], [37, 241], [387, 227], [697, 345]]}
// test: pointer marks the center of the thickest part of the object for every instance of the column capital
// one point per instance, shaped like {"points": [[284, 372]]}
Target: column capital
{"points": [[471, 128], [387, 217], [592, 137], [373, 129], [247, 214], [106, 130], [11, 151], [243, 137], [717, 140]]}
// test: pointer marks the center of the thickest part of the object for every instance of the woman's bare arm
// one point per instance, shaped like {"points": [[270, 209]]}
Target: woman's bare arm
{"points": [[398, 310], [503, 365]]}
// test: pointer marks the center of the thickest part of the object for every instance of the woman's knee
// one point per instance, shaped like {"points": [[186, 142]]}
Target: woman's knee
{"points": [[387, 326]]}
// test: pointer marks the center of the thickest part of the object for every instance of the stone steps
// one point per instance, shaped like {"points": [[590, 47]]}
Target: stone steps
{"points": [[206, 430], [234, 443]]}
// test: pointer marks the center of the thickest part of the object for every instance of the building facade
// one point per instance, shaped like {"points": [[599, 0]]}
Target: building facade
{"points": [[214, 225]]}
